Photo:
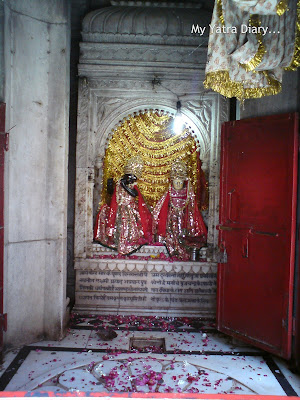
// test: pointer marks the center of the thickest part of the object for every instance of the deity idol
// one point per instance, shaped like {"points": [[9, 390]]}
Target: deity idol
{"points": [[125, 225], [177, 218]]}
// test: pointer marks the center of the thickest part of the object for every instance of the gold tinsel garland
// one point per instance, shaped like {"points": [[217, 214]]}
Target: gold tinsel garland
{"points": [[220, 12], [150, 135], [281, 7], [220, 82]]}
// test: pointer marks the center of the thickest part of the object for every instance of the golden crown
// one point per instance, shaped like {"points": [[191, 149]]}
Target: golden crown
{"points": [[134, 166], [179, 170]]}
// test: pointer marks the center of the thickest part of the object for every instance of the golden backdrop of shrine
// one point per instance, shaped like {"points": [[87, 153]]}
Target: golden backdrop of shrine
{"points": [[149, 134]]}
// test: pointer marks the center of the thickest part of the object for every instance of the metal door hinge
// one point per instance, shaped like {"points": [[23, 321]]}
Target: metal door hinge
{"points": [[3, 322], [6, 145], [6, 140]]}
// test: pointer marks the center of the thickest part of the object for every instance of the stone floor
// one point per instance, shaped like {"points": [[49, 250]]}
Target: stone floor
{"points": [[147, 355]]}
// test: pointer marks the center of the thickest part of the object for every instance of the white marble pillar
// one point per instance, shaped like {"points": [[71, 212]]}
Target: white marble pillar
{"points": [[37, 48]]}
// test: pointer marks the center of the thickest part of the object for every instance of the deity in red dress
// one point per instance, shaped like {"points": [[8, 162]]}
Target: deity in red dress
{"points": [[176, 217], [125, 225]]}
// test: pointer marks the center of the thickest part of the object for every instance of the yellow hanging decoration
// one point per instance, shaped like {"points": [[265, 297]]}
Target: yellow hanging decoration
{"points": [[150, 135], [220, 82], [220, 12], [224, 76]]}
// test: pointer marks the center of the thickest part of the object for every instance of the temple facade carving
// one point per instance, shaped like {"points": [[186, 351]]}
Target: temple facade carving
{"points": [[133, 61]]}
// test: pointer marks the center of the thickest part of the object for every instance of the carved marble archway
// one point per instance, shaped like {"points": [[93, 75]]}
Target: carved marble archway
{"points": [[114, 84]]}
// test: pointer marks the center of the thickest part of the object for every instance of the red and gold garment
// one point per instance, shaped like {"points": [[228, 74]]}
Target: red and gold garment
{"points": [[126, 224], [176, 218]]}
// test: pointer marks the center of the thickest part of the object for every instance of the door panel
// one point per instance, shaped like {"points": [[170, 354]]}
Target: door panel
{"points": [[228, 292], [258, 172], [257, 215], [2, 151]]}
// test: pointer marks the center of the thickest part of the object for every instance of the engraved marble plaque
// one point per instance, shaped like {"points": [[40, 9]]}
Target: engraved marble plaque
{"points": [[151, 291]]}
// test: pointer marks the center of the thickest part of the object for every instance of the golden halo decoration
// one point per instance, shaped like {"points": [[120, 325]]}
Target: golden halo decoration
{"points": [[149, 135]]}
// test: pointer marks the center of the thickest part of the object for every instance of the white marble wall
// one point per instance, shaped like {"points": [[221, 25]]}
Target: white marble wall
{"points": [[37, 96]]}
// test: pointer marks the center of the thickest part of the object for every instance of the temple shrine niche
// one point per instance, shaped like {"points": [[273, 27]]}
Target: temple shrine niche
{"points": [[164, 154], [127, 106]]}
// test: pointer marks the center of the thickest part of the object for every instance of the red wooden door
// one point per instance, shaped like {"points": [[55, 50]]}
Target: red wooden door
{"points": [[257, 228], [3, 145]]}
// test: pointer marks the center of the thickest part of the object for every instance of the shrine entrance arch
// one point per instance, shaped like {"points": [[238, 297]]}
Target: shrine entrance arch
{"points": [[116, 80], [98, 268]]}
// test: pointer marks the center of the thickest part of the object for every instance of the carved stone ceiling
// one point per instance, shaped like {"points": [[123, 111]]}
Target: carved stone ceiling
{"points": [[145, 22], [207, 4]]}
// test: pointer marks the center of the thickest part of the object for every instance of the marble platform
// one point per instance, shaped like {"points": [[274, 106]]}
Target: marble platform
{"points": [[146, 283]]}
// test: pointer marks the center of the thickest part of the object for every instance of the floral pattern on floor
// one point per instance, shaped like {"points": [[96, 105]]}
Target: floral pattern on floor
{"points": [[119, 354], [144, 375]]}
